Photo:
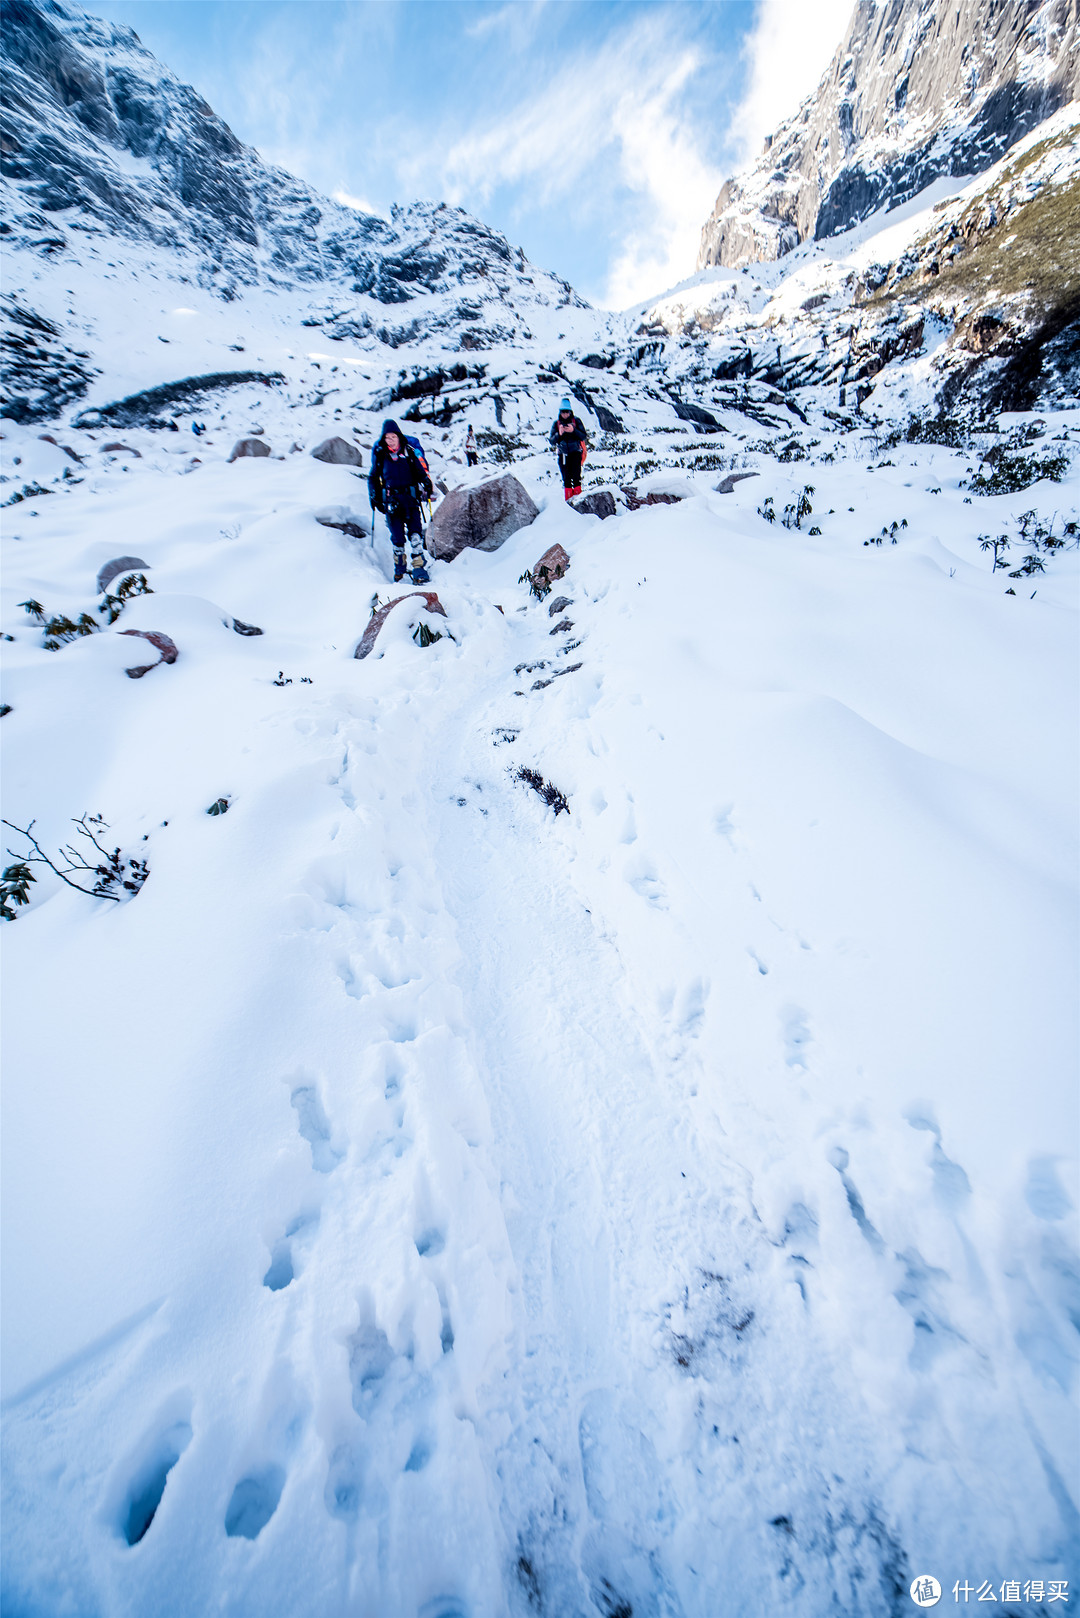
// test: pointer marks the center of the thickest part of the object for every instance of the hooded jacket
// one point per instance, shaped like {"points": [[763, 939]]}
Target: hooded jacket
{"points": [[399, 476]]}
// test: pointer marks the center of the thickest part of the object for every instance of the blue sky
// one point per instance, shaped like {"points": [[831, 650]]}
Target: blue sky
{"points": [[595, 134]]}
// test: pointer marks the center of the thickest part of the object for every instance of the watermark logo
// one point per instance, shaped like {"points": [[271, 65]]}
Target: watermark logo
{"points": [[925, 1590]]}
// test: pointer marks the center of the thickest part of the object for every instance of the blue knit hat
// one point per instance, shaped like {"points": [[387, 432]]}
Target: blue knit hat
{"points": [[564, 404]]}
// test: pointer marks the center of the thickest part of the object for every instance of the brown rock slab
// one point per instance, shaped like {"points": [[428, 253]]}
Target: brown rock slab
{"points": [[481, 518], [167, 647], [121, 449], [552, 565], [246, 448], [338, 452], [375, 623]]}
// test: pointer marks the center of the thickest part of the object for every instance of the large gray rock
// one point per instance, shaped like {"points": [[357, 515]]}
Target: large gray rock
{"points": [[245, 447], [481, 518], [338, 452]]}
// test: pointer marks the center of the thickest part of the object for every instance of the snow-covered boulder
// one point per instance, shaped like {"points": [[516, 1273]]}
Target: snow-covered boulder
{"points": [[338, 452], [348, 521], [727, 484], [482, 518], [249, 447], [118, 565]]}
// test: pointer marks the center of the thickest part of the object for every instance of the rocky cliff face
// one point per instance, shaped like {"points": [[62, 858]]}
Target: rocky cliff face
{"points": [[916, 89], [98, 139]]}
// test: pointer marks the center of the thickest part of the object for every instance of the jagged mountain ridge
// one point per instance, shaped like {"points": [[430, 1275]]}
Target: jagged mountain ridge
{"points": [[103, 146], [915, 90]]}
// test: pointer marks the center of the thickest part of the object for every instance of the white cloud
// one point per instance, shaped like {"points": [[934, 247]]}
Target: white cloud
{"points": [[788, 50], [606, 119]]}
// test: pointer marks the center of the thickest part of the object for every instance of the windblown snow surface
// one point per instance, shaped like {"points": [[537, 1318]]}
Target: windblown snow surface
{"points": [[421, 1203]]}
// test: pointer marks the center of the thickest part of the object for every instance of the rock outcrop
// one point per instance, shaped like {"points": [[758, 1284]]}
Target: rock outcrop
{"points": [[916, 89], [481, 518]]}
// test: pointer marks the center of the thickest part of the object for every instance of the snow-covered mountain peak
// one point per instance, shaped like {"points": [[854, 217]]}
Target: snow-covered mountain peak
{"points": [[102, 141]]}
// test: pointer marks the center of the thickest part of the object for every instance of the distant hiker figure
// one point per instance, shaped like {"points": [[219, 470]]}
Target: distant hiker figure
{"points": [[470, 447], [570, 442], [397, 483]]}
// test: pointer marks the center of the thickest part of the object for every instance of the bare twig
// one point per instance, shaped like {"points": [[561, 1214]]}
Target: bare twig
{"points": [[40, 857]]}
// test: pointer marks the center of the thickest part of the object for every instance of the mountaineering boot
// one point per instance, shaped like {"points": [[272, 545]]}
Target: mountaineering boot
{"points": [[420, 575], [399, 566]]}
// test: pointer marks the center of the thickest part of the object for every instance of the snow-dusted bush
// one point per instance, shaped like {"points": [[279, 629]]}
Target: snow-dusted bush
{"points": [[112, 873]]}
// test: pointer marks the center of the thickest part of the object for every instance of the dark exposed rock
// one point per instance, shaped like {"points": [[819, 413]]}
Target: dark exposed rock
{"points": [[245, 629], [249, 448], [701, 418], [121, 449], [601, 504], [726, 485], [338, 452], [482, 518], [559, 605], [608, 420]]}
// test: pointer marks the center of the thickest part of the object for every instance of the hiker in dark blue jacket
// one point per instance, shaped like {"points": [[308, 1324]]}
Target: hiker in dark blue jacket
{"points": [[397, 483], [570, 442]]}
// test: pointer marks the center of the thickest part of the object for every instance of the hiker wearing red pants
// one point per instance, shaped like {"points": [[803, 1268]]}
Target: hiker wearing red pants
{"points": [[570, 442]]}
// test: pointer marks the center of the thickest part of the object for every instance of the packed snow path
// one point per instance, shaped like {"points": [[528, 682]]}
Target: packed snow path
{"points": [[654, 1209]]}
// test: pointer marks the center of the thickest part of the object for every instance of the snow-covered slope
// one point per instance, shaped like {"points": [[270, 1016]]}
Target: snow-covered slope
{"points": [[917, 89], [436, 1206], [421, 1204], [963, 301]]}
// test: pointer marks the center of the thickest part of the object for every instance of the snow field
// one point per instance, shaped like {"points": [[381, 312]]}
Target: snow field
{"points": [[469, 1208]]}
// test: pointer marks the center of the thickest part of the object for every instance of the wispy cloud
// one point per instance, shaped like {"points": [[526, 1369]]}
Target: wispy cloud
{"points": [[518, 18], [787, 51], [606, 128]]}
